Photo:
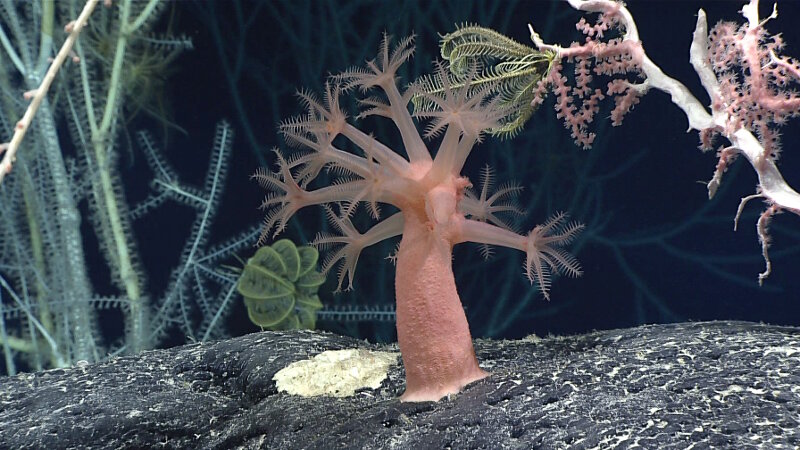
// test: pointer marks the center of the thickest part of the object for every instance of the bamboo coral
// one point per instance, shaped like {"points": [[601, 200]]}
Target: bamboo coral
{"points": [[752, 89]]}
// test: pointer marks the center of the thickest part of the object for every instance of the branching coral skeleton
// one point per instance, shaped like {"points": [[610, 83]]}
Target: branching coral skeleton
{"points": [[749, 84]]}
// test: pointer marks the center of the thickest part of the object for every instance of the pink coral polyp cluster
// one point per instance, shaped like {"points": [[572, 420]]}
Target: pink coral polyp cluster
{"points": [[436, 209], [754, 80]]}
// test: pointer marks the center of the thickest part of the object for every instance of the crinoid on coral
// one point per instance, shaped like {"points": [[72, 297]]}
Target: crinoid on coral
{"points": [[484, 57]]}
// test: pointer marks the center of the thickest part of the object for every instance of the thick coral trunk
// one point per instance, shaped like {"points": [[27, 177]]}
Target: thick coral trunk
{"points": [[432, 330]]}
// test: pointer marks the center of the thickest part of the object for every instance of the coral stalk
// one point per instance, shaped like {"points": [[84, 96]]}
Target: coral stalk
{"points": [[432, 329]]}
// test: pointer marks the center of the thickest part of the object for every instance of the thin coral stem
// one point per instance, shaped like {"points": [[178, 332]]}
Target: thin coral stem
{"points": [[415, 147], [484, 233], [383, 154]]}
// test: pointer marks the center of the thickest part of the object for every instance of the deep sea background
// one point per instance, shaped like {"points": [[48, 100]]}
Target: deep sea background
{"points": [[656, 250]]}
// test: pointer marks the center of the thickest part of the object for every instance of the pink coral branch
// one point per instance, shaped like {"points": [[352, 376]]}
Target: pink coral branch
{"points": [[740, 68]]}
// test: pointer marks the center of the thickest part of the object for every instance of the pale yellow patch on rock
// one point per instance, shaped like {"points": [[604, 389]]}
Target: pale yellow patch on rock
{"points": [[335, 373]]}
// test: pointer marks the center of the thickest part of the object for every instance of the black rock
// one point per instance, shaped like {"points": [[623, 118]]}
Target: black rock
{"points": [[711, 385]]}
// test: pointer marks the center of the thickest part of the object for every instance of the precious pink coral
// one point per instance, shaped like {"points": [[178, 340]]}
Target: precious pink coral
{"points": [[753, 91], [435, 214]]}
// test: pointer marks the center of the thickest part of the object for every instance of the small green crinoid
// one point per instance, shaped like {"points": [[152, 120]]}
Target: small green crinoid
{"points": [[279, 285], [483, 57]]}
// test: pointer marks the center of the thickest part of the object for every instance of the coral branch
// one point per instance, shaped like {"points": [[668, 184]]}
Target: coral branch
{"points": [[74, 29], [752, 89]]}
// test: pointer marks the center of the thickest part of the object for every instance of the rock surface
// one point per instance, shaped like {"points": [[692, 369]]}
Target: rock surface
{"points": [[713, 384]]}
